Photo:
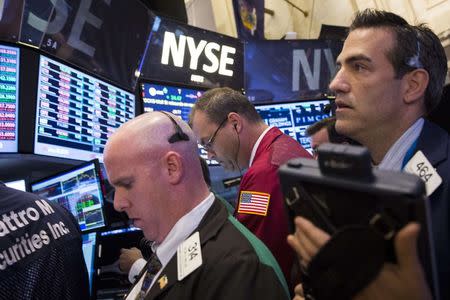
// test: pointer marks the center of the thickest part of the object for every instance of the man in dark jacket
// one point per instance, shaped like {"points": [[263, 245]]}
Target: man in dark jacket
{"points": [[200, 252], [40, 249]]}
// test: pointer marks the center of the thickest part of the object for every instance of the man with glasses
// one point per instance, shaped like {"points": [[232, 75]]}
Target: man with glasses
{"points": [[230, 129], [199, 251]]}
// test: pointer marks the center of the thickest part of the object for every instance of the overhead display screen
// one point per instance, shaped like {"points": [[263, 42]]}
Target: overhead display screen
{"points": [[294, 117], [9, 100], [175, 99], [77, 113]]}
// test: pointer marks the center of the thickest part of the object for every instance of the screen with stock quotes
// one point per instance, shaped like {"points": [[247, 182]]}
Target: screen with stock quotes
{"points": [[294, 117], [77, 113], [9, 100]]}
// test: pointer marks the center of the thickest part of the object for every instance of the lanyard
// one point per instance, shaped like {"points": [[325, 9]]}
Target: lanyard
{"points": [[409, 154]]}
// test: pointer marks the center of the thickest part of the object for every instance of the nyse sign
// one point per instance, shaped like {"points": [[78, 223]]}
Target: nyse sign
{"points": [[300, 65], [289, 70], [62, 12], [217, 58]]}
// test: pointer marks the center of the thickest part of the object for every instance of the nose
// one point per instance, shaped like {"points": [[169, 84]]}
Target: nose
{"points": [[339, 84], [120, 201]]}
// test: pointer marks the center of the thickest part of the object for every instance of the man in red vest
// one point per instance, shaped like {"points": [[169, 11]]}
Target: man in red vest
{"points": [[232, 132]]}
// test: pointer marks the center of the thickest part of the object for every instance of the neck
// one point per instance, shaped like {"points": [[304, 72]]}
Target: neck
{"points": [[184, 199], [248, 141], [381, 141]]}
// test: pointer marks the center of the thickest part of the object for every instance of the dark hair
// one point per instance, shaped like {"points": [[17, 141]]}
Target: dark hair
{"points": [[217, 103], [415, 47]]}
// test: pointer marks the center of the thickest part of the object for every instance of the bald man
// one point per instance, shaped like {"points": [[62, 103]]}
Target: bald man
{"points": [[201, 252]]}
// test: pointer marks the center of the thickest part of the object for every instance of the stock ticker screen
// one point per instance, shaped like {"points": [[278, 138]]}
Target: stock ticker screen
{"points": [[294, 117], [178, 100], [79, 191], [9, 100], [77, 113]]}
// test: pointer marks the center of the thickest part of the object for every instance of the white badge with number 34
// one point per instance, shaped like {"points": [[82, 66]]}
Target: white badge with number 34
{"points": [[420, 166], [189, 256]]}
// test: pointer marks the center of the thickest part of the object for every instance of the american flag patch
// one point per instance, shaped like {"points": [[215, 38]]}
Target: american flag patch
{"points": [[255, 203]]}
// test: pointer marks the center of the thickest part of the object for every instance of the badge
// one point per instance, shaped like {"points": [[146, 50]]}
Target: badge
{"points": [[189, 256], [420, 166], [163, 282]]}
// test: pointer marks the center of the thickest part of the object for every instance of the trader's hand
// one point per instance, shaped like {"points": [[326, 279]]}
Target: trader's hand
{"points": [[298, 292], [403, 280], [306, 240], [128, 257]]}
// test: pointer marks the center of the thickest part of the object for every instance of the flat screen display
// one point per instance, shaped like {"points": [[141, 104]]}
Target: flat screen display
{"points": [[176, 99], [79, 190], [9, 98], [89, 248], [77, 113], [17, 184], [294, 117]]}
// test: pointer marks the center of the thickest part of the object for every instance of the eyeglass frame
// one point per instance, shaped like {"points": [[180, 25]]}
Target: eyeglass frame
{"points": [[209, 144]]}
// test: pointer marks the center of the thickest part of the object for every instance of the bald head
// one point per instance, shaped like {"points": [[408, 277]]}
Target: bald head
{"points": [[153, 130], [154, 172]]}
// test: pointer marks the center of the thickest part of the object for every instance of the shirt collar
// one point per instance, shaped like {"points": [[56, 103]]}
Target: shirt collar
{"points": [[393, 159], [255, 146], [181, 231]]}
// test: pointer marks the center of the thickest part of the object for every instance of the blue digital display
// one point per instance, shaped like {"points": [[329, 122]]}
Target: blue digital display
{"points": [[9, 100], [294, 117], [177, 100]]}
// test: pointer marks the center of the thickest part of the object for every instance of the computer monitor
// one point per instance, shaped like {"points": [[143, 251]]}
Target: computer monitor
{"points": [[294, 117], [19, 184], [174, 98], [89, 250], [177, 99], [9, 98], [79, 190], [76, 113]]}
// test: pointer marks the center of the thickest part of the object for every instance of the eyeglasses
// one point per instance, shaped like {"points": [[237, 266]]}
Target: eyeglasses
{"points": [[209, 144], [179, 135]]}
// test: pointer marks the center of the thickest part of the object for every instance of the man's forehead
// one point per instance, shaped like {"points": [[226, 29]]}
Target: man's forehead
{"points": [[366, 42], [200, 122]]}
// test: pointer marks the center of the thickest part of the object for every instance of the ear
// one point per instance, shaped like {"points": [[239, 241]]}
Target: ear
{"points": [[236, 121], [414, 85], [174, 166]]}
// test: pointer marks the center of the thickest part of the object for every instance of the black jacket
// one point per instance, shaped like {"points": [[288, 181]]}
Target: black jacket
{"points": [[236, 265]]}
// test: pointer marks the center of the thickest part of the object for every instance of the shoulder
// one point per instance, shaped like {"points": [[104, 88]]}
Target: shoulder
{"points": [[241, 262], [285, 148]]}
